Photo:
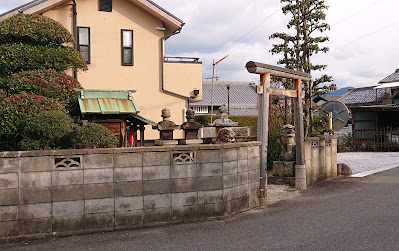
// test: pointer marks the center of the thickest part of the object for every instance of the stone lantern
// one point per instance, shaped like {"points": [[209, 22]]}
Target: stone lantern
{"points": [[224, 120], [166, 128], [285, 166], [191, 129]]}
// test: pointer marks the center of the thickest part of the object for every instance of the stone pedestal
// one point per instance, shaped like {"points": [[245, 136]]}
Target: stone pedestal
{"points": [[160, 142], [283, 169], [190, 141]]}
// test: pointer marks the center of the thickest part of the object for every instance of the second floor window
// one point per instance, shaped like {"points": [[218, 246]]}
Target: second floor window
{"points": [[84, 42], [105, 5], [127, 47]]}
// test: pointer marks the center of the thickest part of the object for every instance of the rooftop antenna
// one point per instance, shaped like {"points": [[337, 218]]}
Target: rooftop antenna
{"points": [[213, 77]]}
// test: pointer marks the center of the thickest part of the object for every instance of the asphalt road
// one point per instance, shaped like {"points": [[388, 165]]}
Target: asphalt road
{"points": [[342, 214]]}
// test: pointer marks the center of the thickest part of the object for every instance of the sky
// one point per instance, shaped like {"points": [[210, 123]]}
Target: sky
{"points": [[363, 37]]}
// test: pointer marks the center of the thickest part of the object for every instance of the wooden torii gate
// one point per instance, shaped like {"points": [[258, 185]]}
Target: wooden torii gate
{"points": [[266, 71]]}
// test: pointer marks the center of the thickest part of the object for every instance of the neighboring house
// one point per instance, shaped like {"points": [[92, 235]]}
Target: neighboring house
{"points": [[240, 97], [123, 44], [320, 100], [364, 96], [375, 115]]}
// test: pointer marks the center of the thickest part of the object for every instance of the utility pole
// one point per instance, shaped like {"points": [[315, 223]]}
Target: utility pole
{"points": [[213, 77]]}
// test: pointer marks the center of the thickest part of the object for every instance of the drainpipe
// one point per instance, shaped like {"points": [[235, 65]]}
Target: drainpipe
{"points": [[162, 70], [75, 33]]}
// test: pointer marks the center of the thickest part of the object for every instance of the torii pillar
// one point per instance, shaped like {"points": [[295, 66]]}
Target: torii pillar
{"points": [[266, 71]]}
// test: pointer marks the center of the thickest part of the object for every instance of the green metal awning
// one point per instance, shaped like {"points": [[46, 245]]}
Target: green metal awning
{"points": [[145, 120], [107, 102]]}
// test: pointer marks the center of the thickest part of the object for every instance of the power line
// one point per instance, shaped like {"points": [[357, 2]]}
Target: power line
{"points": [[356, 13], [365, 36], [226, 48], [259, 24]]}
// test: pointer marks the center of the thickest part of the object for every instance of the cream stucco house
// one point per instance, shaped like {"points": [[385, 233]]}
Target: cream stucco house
{"points": [[123, 43]]}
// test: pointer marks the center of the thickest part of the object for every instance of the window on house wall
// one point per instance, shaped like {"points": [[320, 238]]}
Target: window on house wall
{"points": [[105, 5], [84, 42], [127, 47]]}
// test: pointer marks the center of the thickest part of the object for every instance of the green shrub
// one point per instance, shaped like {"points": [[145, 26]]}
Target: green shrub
{"points": [[320, 125], [345, 143], [3, 95], [47, 83], [93, 135], [273, 148], [33, 28], [18, 57], [16, 109], [46, 130]]}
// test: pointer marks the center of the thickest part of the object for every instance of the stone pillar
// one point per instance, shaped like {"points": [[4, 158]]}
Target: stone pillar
{"points": [[315, 162], [323, 172], [300, 177], [334, 143], [328, 157], [308, 161]]}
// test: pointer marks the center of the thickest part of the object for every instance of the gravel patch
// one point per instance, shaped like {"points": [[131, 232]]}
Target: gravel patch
{"points": [[366, 161]]}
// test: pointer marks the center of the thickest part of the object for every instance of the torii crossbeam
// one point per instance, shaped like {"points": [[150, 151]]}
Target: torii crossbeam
{"points": [[266, 71]]}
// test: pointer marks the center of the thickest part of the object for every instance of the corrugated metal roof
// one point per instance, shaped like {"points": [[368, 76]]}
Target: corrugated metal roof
{"points": [[363, 95], [107, 102], [243, 111], [394, 77], [241, 93]]}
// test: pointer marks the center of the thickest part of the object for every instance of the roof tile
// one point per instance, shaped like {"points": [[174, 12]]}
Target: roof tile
{"points": [[363, 95]]}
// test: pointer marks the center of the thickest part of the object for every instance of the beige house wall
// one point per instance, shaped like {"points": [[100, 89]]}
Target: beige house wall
{"points": [[183, 78], [105, 71]]}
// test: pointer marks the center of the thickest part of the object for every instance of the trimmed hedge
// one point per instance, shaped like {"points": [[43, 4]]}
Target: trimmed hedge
{"points": [[33, 28], [47, 83], [18, 57]]}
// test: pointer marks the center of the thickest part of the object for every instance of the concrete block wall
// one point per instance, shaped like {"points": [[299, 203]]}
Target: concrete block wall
{"points": [[81, 191], [320, 159]]}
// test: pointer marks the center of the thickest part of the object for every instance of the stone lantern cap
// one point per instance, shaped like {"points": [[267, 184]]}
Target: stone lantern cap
{"points": [[190, 124], [166, 124], [224, 120]]}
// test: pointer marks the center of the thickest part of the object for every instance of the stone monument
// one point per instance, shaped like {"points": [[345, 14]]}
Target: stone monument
{"points": [[191, 129], [286, 165], [166, 128], [225, 135], [287, 143]]}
